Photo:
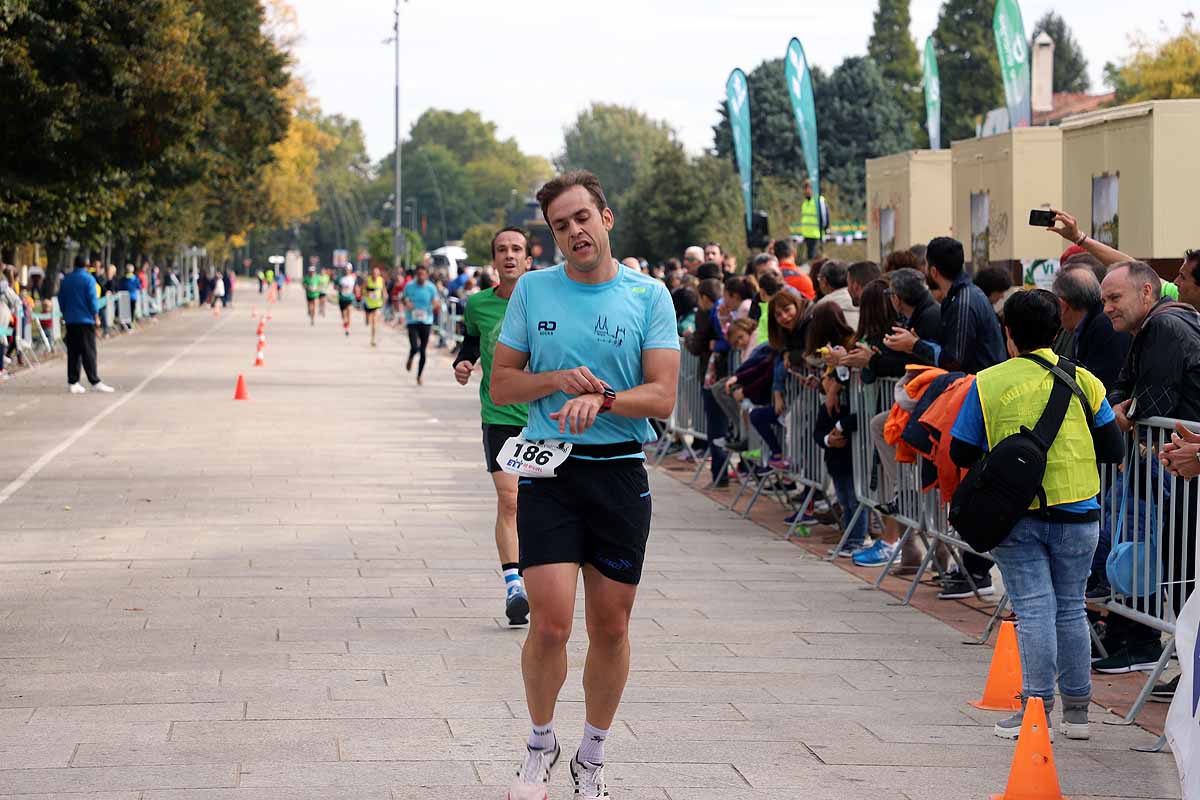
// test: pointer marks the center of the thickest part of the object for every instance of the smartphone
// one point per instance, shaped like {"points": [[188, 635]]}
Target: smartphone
{"points": [[1041, 218]]}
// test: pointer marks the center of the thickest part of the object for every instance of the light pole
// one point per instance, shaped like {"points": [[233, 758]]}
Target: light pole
{"points": [[396, 234]]}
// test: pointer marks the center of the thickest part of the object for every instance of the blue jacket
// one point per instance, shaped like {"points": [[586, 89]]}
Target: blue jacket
{"points": [[969, 339], [131, 284], [77, 298]]}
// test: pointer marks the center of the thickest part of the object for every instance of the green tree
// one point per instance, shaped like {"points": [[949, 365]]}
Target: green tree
{"points": [[775, 143], [247, 73], [657, 224], [464, 133], [1170, 70], [858, 118], [100, 93], [478, 241], [893, 50], [968, 66], [1070, 65], [614, 142]]}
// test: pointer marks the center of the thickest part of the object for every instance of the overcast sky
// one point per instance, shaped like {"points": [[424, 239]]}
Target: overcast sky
{"points": [[530, 66]]}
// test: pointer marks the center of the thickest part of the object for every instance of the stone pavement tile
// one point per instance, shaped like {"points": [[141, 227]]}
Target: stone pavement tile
{"points": [[100, 779], [75, 796], [354, 775], [363, 793], [385, 707], [917, 710], [208, 752], [92, 715], [635, 775], [256, 680], [819, 786]]}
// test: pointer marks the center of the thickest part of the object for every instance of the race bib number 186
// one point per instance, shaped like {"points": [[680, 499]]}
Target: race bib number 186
{"points": [[537, 459]]}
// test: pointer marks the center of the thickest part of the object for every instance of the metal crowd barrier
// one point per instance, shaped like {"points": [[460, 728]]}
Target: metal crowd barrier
{"points": [[800, 449], [1153, 516], [448, 320], [687, 419]]}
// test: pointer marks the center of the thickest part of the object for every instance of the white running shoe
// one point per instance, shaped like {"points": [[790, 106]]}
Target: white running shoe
{"points": [[588, 778], [102, 387], [76, 388], [534, 774]]}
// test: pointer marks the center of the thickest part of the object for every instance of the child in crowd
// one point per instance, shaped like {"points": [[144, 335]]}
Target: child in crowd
{"points": [[835, 424]]}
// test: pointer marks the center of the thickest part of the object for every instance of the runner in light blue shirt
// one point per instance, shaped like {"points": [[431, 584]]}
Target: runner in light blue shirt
{"points": [[591, 346], [420, 296]]}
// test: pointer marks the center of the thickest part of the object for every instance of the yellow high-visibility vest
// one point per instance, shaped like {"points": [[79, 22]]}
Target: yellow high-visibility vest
{"points": [[1014, 393]]}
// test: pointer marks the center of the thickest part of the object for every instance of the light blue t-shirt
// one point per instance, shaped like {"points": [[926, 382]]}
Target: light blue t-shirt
{"points": [[969, 428], [421, 298], [564, 324]]}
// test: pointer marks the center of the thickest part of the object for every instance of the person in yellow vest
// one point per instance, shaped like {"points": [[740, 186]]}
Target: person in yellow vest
{"points": [[373, 295], [814, 220], [1047, 557]]}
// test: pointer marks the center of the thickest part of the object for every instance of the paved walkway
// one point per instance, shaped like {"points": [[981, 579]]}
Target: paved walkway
{"points": [[297, 597]]}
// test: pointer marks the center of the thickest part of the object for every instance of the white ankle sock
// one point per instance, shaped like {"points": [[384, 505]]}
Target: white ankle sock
{"points": [[541, 737], [591, 749]]}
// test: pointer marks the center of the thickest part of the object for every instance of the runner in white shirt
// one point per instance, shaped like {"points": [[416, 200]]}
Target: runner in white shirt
{"points": [[346, 285]]}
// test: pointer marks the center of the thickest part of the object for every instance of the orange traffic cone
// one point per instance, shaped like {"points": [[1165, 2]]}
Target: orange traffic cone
{"points": [[1033, 776], [262, 339], [1003, 689], [240, 392], [258, 359]]}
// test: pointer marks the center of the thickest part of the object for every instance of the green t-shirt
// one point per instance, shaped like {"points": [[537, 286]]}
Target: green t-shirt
{"points": [[312, 286], [484, 317]]}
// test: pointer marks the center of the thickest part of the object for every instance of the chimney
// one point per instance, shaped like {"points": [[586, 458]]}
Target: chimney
{"points": [[1043, 73]]}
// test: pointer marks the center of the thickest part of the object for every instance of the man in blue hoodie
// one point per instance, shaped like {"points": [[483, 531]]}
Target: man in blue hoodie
{"points": [[79, 305]]}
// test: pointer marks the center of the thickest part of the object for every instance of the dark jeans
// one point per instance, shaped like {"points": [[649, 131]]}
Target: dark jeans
{"points": [[418, 340], [810, 247], [848, 499], [763, 419], [715, 424], [81, 349]]}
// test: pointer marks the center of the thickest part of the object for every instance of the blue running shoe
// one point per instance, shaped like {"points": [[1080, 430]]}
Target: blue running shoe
{"points": [[876, 555]]}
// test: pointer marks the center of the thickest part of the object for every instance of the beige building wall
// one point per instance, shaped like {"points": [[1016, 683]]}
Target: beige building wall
{"points": [[1017, 171], [915, 186], [1149, 148]]}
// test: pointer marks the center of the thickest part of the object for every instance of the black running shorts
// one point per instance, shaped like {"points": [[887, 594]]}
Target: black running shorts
{"points": [[591, 512], [343, 303], [494, 437]]}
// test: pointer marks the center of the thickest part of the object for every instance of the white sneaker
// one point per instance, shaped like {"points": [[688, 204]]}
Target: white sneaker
{"points": [[76, 388], [534, 774], [588, 778], [4, 375], [102, 387]]}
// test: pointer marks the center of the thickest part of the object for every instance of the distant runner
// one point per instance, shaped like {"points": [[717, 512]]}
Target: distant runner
{"points": [[483, 318], [323, 275], [346, 286], [312, 291], [593, 348], [420, 295], [373, 292]]}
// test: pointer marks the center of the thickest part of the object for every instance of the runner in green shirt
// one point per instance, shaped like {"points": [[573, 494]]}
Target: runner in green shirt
{"points": [[312, 290], [483, 318]]}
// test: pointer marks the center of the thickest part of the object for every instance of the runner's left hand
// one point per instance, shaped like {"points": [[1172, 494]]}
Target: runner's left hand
{"points": [[579, 413], [462, 372]]}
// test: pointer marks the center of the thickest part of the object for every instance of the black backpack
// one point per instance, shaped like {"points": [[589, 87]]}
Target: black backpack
{"points": [[1000, 488]]}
